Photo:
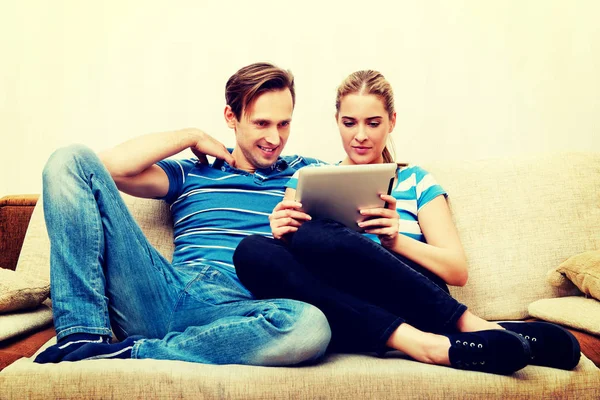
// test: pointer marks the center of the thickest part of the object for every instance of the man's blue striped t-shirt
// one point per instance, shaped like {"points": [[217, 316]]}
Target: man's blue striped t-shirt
{"points": [[215, 206], [414, 188]]}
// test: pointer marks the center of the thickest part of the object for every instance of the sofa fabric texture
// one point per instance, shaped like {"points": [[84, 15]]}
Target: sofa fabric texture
{"points": [[338, 377], [518, 218]]}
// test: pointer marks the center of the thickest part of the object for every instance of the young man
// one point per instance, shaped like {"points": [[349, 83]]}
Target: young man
{"points": [[106, 277]]}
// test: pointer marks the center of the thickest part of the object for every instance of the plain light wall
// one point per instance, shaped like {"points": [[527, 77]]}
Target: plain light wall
{"points": [[472, 79]]}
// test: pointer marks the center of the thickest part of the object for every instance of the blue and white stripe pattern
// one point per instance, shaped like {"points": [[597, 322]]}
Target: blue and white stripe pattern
{"points": [[214, 207], [414, 188]]}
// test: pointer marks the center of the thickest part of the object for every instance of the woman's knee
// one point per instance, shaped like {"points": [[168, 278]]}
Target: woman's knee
{"points": [[248, 247], [317, 226], [249, 253], [318, 236], [258, 263]]}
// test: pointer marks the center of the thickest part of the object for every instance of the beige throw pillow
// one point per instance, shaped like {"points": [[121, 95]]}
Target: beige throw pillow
{"points": [[583, 270], [574, 311], [18, 291]]}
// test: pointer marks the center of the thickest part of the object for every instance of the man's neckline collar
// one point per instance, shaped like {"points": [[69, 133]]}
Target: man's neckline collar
{"points": [[279, 165]]}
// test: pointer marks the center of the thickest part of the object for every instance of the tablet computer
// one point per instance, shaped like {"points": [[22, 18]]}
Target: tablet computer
{"points": [[339, 192]]}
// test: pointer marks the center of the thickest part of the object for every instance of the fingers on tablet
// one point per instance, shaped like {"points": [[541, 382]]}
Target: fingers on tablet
{"points": [[285, 204]]}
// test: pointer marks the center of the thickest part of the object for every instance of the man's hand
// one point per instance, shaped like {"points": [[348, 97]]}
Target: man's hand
{"points": [[287, 217], [207, 145], [383, 222]]}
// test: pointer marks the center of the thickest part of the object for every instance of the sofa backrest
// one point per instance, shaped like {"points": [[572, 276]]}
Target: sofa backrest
{"points": [[517, 218]]}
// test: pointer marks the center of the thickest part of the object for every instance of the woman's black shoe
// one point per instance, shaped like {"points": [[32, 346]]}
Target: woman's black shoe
{"points": [[551, 345], [495, 351]]}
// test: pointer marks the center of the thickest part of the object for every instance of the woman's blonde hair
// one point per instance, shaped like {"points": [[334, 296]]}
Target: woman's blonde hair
{"points": [[369, 82]]}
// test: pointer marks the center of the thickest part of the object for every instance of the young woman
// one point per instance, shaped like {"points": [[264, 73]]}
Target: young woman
{"points": [[387, 289]]}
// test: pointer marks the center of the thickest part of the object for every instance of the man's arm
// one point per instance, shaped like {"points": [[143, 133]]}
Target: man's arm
{"points": [[133, 167]]}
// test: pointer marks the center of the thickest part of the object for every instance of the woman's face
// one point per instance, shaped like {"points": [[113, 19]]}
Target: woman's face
{"points": [[364, 125]]}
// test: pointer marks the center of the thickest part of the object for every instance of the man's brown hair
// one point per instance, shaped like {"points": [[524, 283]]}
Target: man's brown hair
{"points": [[253, 80]]}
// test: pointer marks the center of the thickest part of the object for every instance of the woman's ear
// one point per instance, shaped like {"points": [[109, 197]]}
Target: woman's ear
{"points": [[393, 121], [230, 117]]}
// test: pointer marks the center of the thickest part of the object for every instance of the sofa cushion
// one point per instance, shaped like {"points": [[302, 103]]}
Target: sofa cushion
{"points": [[19, 291], [583, 270], [518, 218], [338, 377], [20, 322], [574, 311]]}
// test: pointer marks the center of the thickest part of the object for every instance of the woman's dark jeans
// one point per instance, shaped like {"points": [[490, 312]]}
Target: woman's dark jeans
{"points": [[365, 291]]}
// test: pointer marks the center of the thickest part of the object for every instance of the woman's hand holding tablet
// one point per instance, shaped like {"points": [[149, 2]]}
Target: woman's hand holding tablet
{"points": [[340, 192]]}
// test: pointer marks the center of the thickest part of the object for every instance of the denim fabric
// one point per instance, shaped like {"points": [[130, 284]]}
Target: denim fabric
{"points": [[106, 277], [365, 291]]}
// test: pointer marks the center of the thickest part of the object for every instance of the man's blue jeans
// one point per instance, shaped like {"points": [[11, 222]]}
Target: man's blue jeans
{"points": [[365, 291], [105, 276]]}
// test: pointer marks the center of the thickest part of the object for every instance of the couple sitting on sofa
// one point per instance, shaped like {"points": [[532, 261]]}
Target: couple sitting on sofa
{"points": [[235, 295]]}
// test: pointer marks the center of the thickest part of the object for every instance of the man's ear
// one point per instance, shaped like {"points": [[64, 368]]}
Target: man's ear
{"points": [[230, 117]]}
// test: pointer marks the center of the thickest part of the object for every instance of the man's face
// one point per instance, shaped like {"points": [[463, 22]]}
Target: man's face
{"points": [[263, 129]]}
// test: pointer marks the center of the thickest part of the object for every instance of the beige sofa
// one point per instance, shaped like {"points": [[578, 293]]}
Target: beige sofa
{"points": [[518, 218]]}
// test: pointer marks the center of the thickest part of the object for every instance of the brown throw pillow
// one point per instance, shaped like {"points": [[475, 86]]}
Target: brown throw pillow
{"points": [[583, 270], [18, 291]]}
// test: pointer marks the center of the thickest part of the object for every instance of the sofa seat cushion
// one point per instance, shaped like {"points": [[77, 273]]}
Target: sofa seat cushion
{"points": [[340, 376]]}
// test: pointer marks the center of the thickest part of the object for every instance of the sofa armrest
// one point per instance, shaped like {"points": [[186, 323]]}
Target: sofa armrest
{"points": [[590, 345], [15, 213]]}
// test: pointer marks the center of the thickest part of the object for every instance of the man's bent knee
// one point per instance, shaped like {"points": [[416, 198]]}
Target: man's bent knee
{"points": [[313, 330], [64, 159]]}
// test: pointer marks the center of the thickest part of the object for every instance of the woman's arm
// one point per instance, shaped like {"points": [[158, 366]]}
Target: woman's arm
{"points": [[443, 253]]}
